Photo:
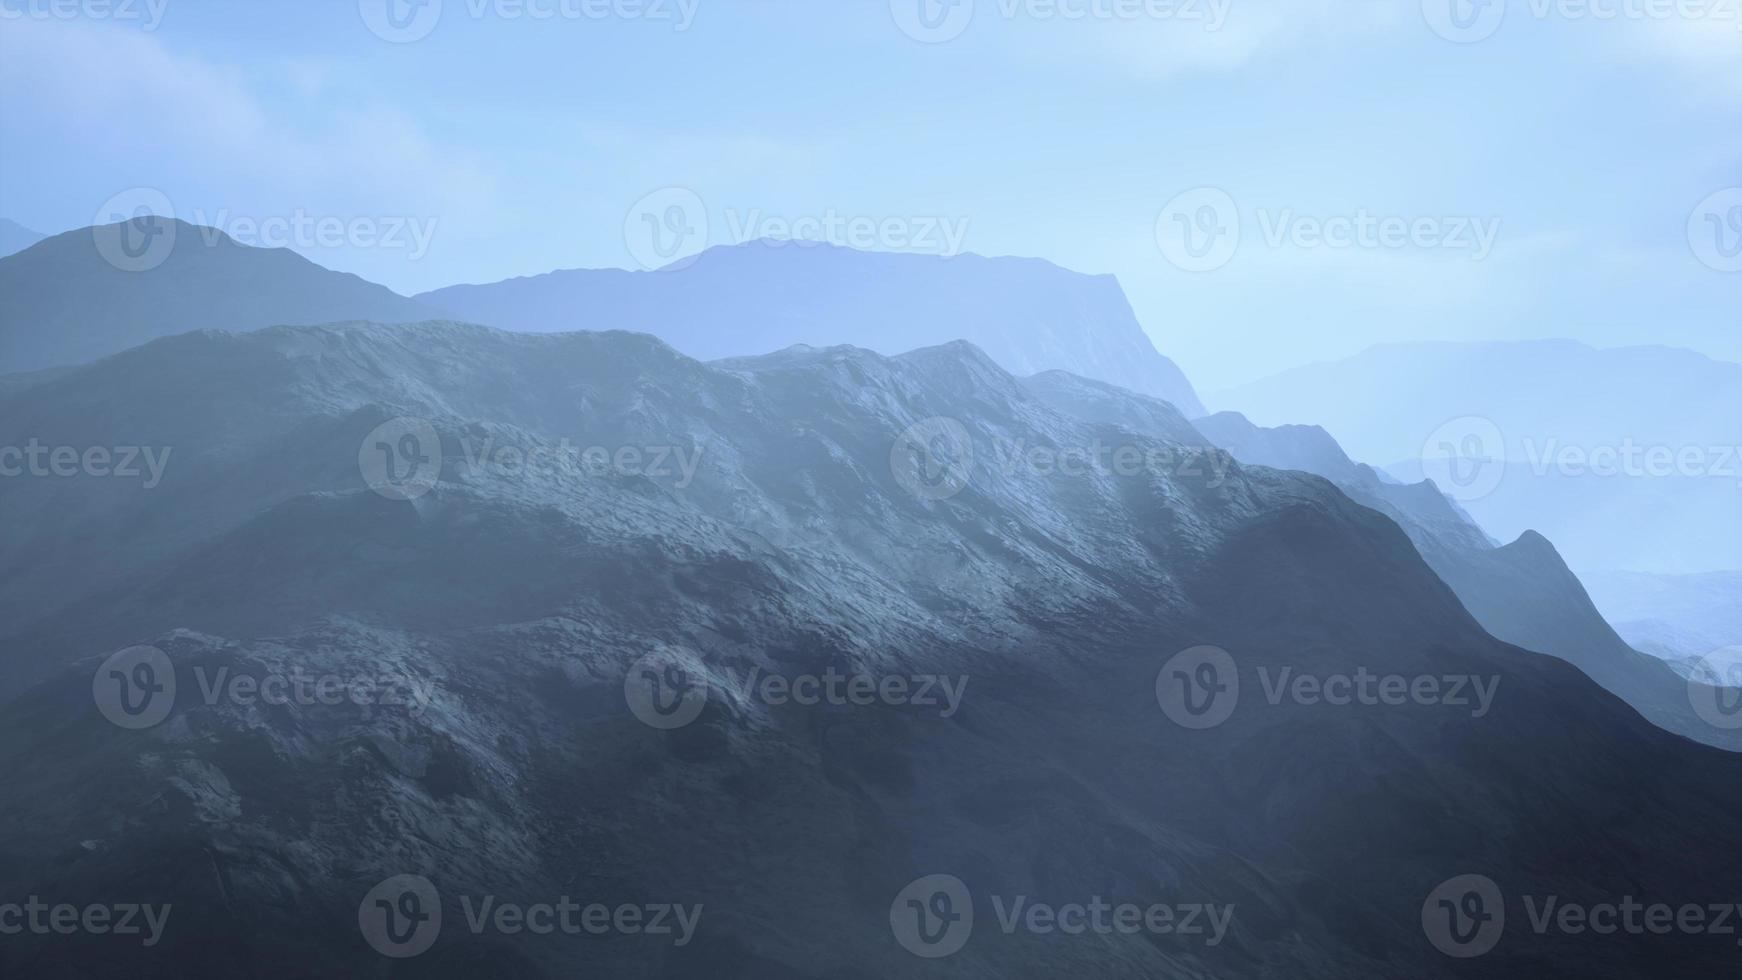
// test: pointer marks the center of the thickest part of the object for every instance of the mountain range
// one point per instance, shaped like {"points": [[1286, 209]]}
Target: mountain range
{"points": [[1522, 592], [1627, 458], [1677, 617], [78, 296], [824, 522], [733, 300]]}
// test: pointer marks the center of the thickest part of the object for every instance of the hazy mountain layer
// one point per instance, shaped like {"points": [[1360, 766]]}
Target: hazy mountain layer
{"points": [[1672, 616], [1522, 592], [89, 293], [1028, 314], [1625, 458], [14, 237]]}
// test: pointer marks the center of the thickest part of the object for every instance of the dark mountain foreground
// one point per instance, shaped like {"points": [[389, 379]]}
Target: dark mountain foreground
{"points": [[555, 639]]}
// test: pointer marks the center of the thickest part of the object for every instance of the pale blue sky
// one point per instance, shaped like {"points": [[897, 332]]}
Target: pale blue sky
{"points": [[1586, 145]]}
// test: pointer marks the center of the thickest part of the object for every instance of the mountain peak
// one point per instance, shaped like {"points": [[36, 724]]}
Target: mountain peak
{"points": [[1027, 315]]}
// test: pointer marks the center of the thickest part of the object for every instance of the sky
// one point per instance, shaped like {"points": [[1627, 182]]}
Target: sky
{"points": [[1274, 182]]}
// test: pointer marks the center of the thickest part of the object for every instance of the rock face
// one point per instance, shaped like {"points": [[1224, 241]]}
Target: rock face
{"points": [[1522, 592], [926, 515], [1027, 314], [90, 293]]}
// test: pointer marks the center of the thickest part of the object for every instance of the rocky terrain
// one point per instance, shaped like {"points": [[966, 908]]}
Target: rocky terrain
{"points": [[814, 511]]}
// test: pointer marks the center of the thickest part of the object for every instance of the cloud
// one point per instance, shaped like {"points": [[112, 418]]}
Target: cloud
{"points": [[281, 145]]}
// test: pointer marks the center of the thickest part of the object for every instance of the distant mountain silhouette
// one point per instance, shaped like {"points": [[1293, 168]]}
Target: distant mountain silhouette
{"points": [[14, 237], [73, 298], [1672, 616], [1521, 592], [1027, 314], [1546, 399], [808, 540]]}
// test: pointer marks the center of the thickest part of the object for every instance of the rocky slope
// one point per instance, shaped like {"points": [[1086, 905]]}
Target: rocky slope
{"points": [[1522, 592], [820, 530]]}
